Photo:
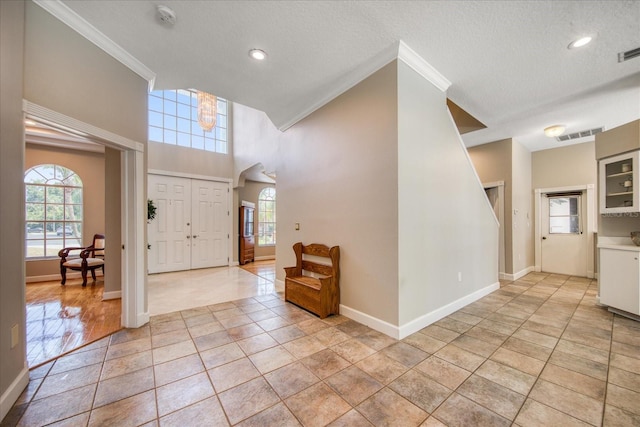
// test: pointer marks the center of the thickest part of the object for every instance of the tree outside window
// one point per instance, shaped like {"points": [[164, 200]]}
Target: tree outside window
{"points": [[267, 217], [53, 207]]}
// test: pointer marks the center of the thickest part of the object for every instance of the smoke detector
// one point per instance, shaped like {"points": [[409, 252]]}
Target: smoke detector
{"points": [[166, 15]]}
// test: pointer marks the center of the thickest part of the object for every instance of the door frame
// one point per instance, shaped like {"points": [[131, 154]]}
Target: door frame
{"points": [[229, 183], [135, 312], [501, 235], [590, 222]]}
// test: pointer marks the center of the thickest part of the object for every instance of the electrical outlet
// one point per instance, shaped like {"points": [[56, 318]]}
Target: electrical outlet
{"points": [[297, 226], [15, 337]]}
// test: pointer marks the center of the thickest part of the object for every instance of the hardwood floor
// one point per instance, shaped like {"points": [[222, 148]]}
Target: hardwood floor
{"points": [[63, 318]]}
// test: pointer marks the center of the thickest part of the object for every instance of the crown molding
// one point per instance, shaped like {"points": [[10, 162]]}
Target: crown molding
{"points": [[422, 67], [91, 33], [398, 50]]}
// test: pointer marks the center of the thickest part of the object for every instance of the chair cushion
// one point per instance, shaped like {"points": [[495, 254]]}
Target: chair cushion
{"points": [[77, 262]]}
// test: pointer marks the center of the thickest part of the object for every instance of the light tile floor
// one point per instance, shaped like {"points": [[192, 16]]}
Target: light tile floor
{"points": [[537, 352]]}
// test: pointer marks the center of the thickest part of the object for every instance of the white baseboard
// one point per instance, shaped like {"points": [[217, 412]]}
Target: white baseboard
{"points": [[234, 264], [264, 258], [14, 391], [400, 332], [518, 275], [50, 277], [372, 322], [429, 318], [111, 295]]}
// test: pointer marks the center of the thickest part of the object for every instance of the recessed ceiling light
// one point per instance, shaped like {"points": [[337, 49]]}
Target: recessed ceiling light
{"points": [[582, 41], [258, 54], [553, 131]]}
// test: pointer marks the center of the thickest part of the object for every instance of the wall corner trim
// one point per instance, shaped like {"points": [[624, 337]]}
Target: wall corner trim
{"points": [[66, 15], [422, 67], [13, 392], [373, 322], [111, 295]]}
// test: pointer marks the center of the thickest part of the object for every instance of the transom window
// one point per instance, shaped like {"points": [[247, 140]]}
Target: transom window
{"points": [[53, 210], [564, 214], [173, 119], [267, 217]]}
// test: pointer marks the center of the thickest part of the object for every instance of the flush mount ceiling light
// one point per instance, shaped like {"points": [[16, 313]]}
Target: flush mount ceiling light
{"points": [[258, 54], [582, 41], [554, 131]]}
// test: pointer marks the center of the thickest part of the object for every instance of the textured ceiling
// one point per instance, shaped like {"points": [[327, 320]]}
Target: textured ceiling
{"points": [[507, 61]]}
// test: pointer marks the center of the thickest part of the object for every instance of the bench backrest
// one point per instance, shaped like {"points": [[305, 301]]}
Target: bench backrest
{"points": [[318, 250]]}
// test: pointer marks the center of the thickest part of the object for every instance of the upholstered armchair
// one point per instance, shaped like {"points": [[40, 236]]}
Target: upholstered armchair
{"points": [[90, 258]]}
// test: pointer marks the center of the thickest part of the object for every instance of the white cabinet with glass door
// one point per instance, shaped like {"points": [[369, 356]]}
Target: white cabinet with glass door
{"points": [[619, 183]]}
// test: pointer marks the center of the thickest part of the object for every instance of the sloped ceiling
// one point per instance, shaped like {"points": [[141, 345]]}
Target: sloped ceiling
{"points": [[507, 61]]}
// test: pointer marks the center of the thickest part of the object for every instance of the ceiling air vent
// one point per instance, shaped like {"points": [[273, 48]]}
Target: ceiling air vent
{"points": [[630, 54], [580, 134]]}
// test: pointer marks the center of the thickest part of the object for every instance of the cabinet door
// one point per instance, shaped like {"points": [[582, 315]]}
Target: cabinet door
{"points": [[619, 183], [620, 279]]}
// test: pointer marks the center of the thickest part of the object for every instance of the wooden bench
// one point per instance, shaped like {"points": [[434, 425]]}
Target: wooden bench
{"points": [[319, 290]]}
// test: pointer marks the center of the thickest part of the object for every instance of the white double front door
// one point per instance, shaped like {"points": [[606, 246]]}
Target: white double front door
{"points": [[191, 228]]}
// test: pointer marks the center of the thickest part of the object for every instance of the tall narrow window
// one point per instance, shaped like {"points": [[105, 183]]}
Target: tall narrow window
{"points": [[267, 217], [564, 214], [53, 210]]}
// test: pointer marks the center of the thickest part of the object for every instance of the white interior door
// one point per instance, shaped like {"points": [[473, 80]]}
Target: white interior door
{"points": [[564, 243], [170, 232], [191, 228], [209, 235]]}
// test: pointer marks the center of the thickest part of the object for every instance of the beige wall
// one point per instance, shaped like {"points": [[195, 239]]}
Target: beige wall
{"points": [[447, 232], [112, 210], [90, 169], [67, 74], [250, 193], [493, 162], [565, 166], [172, 158], [13, 367]]}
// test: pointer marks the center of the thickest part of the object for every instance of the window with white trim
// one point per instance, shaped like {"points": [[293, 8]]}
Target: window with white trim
{"points": [[267, 217], [53, 207], [564, 214], [173, 119]]}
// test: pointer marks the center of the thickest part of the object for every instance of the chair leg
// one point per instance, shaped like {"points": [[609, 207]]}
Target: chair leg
{"points": [[84, 277], [63, 273], [93, 274]]}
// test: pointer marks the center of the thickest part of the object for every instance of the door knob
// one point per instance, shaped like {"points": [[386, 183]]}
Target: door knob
{"points": [[188, 237], [195, 236], [544, 237]]}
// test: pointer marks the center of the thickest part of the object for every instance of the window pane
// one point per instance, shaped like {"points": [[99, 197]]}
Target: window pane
{"points": [[55, 195], [197, 142], [170, 137], [169, 107], [184, 97], [34, 211], [35, 193], [184, 111], [169, 94], [184, 125], [35, 248], [222, 106], [53, 246], [54, 212], [210, 145], [184, 139], [170, 122], [573, 206], [221, 147], [155, 103], [559, 206], [155, 134], [73, 195], [73, 213], [155, 119], [221, 121]]}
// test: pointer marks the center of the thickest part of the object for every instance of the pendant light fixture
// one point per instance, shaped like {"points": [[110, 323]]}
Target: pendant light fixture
{"points": [[207, 108]]}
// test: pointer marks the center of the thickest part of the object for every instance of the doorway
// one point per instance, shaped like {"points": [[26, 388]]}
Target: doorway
{"points": [[564, 229], [495, 194], [191, 229]]}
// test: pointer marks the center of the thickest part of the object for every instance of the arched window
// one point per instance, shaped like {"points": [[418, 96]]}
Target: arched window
{"points": [[53, 210], [267, 217]]}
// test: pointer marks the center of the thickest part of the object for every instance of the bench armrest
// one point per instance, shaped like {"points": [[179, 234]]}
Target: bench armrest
{"points": [[292, 271]]}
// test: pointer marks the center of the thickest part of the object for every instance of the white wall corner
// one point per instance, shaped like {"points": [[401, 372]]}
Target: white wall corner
{"points": [[13, 392], [425, 320]]}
